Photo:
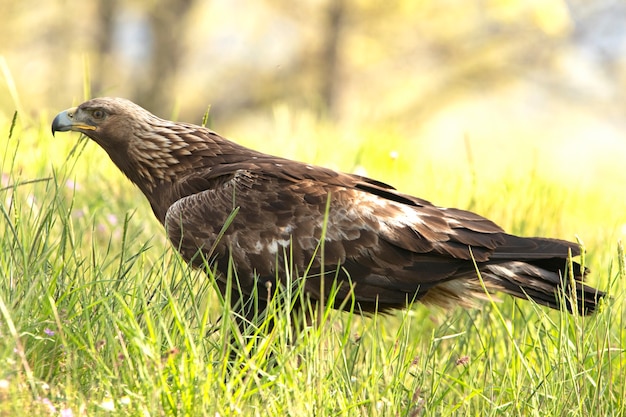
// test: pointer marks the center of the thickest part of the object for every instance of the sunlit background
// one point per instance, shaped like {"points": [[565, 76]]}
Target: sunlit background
{"points": [[513, 87]]}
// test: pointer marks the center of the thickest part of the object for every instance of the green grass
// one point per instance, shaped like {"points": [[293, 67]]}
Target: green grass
{"points": [[99, 316]]}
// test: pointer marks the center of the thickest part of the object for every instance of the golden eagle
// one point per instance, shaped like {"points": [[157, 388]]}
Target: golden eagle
{"points": [[376, 246]]}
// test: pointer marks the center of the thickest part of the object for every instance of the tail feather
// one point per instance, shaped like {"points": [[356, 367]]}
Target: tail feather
{"points": [[549, 287], [538, 268]]}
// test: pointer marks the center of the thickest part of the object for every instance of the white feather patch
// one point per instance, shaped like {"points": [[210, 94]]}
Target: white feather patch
{"points": [[388, 214]]}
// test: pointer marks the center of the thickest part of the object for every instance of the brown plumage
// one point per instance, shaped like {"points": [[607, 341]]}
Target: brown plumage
{"points": [[382, 248]]}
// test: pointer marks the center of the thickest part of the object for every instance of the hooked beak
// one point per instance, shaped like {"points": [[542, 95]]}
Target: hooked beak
{"points": [[65, 121]]}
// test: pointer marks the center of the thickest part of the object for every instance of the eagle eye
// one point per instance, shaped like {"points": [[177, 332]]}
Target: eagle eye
{"points": [[98, 114]]}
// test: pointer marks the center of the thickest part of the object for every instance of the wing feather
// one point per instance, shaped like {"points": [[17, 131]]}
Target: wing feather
{"points": [[382, 241]]}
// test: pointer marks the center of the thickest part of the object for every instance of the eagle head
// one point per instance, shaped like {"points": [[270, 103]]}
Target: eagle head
{"points": [[151, 151], [110, 122]]}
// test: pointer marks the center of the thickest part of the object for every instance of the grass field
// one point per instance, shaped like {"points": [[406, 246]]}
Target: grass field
{"points": [[98, 315]]}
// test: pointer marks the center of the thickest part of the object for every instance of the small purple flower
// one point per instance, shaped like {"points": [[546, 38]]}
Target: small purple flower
{"points": [[48, 332], [463, 360], [67, 412], [48, 403]]}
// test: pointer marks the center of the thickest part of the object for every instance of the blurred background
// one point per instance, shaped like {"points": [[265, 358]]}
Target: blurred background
{"points": [[515, 87]]}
